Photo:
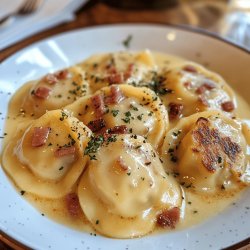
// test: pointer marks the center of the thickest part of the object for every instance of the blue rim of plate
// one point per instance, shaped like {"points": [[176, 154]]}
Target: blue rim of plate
{"points": [[18, 245]]}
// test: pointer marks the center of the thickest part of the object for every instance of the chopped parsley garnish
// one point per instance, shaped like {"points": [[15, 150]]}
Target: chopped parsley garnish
{"points": [[139, 117], [63, 115], [22, 192], [219, 159], [115, 112], [127, 41], [133, 107], [127, 117], [174, 158], [171, 150], [95, 143], [176, 133], [156, 85], [72, 140]]}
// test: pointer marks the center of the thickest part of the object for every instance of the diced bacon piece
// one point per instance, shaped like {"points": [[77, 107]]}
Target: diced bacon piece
{"points": [[203, 100], [175, 110], [72, 204], [40, 136], [42, 92], [99, 105], [51, 78], [62, 74], [129, 71], [188, 85], [106, 136], [122, 129], [228, 106], [97, 125], [111, 69], [116, 95], [122, 164], [60, 152], [115, 78], [168, 217], [190, 68], [209, 84], [204, 87]]}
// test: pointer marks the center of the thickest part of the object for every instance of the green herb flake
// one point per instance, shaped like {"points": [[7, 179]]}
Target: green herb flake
{"points": [[176, 133], [170, 150], [127, 117], [22, 192], [174, 158], [93, 145], [133, 107], [219, 159], [115, 112], [139, 117], [127, 41], [63, 115]]}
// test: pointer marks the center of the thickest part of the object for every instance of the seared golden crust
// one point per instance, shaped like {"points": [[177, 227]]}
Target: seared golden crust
{"points": [[213, 146]]}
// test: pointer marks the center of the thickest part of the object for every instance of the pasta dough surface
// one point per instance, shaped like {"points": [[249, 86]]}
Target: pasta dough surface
{"points": [[127, 143]]}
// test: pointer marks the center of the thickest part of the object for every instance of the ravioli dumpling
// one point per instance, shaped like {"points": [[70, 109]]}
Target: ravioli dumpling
{"points": [[135, 110], [47, 158], [123, 194], [54, 91], [189, 88], [118, 67], [207, 151]]}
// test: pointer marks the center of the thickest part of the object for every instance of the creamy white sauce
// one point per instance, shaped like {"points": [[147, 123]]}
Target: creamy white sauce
{"points": [[196, 207]]}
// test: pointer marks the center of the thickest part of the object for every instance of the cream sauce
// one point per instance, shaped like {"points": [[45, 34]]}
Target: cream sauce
{"points": [[196, 206]]}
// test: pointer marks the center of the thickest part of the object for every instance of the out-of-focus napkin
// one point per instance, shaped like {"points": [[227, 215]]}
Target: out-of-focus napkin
{"points": [[51, 13]]}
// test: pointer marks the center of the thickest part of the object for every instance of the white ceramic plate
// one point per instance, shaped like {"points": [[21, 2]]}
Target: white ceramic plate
{"points": [[22, 222]]}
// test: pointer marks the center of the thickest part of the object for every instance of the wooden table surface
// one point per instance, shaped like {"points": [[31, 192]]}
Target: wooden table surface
{"points": [[97, 13], [93, 13]]}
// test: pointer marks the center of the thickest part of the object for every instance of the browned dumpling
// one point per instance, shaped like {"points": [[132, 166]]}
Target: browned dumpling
{"points": [[207, 151]]}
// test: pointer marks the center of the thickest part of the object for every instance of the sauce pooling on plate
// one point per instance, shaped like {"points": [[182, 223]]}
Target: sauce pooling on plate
{"points": [[125, 144]]}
